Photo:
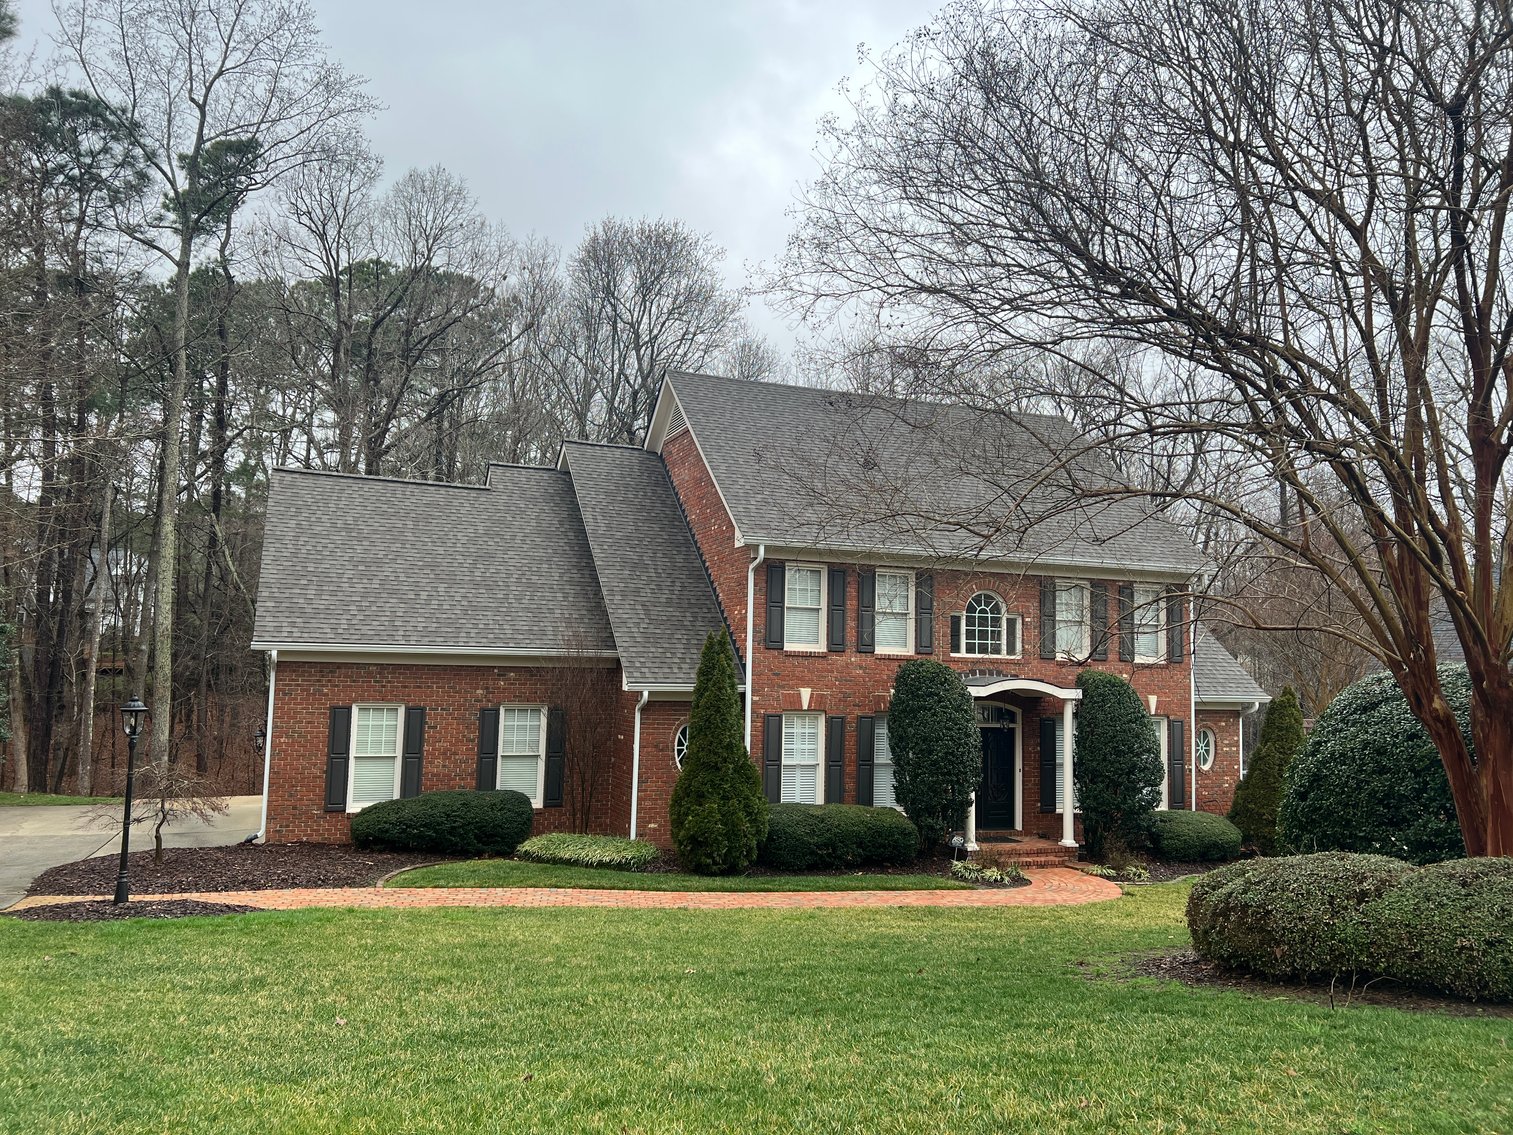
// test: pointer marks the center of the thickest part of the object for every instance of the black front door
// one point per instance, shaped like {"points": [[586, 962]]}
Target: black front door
{"points": [[995, 795]]}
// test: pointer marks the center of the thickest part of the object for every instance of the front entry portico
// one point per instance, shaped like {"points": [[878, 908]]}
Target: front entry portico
{"points": [[1002, 754]]}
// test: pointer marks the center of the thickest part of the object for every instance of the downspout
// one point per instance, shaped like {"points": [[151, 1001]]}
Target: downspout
{"points": [[750, 648], [635, 763], [1254, 707], [1192, 700], [262, 827]]}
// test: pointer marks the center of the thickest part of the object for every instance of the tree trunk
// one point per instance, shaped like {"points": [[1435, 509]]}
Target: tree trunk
{"points": [[19, 742], [92, 646]]}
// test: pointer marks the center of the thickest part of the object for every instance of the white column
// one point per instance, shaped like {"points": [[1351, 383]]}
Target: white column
{"points": [[972, 823], [1067, 838]]}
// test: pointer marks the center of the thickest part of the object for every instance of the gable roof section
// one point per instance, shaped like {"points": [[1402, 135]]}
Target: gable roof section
{"points": [[802, 467], [1218, 675], [660, 601], [372, 562]]}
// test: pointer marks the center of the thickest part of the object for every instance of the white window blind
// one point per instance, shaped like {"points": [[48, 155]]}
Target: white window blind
{"points": [[1060, 768], [801, 758], [1163, 737], [891, 615], [520, 752], [802, 611], [375, 754], [882, 767], [1150, 622]]}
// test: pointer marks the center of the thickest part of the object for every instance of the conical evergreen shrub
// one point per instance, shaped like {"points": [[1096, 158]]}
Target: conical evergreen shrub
{"points": [[1259, 793], [937, 748], [718, 813], [1116, 763]]}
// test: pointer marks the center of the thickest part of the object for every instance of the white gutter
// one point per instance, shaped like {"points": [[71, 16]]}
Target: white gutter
{"points": [[1254, 706], [750, 646], [1192, 700], [262, 827], [635, 763]]}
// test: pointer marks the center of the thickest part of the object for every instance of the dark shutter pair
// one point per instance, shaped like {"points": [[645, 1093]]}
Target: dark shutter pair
{"points": [[834, 760], [1048, 759], [339, 749], [556, 753], [866, 612], [1176, 765], [866, 749]]}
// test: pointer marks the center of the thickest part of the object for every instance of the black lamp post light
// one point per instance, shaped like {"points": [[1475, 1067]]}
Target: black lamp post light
{"points": [[132, 714]]}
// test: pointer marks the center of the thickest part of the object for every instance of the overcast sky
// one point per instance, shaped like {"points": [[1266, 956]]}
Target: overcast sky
{"points": [[558, 114]]}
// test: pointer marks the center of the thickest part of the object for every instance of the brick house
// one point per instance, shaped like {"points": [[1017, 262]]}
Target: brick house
{"points": [[426, 636]]}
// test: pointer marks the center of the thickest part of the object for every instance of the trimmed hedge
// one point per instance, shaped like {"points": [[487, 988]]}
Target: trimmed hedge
{"points": [[809, 837], [612, 851], [448, 823], [1446, 927], [1193, 837]]}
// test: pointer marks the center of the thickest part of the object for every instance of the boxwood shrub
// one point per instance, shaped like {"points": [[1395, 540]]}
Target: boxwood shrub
{"points": [[1189, 837], [612, 851], [810, 837], [448, 823]]}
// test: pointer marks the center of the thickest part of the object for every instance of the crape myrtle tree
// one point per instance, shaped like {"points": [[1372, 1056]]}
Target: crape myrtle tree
{"points": [[1259, 793], [1271, 238], [1116, 763], [718, 813], [936, 746]]}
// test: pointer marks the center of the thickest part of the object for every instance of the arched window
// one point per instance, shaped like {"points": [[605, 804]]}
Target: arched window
{"points": [[1205, 744], [985, 627], [680, 745]]}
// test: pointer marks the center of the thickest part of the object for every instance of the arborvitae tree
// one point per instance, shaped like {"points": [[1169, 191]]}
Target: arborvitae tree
{"points": [[1259, 794], [718, 812], [937, 749], [1116, 763]]}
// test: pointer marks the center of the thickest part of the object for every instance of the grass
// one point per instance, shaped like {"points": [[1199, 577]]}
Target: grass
{"points": [[879, 1020], [35, 799], [514, 873]]}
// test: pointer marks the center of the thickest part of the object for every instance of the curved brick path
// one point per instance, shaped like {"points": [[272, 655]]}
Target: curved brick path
{"points": [[1049, 886]]}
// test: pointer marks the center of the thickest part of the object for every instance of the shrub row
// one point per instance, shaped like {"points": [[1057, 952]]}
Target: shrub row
{"points": [[448, 823], [1447, 926], [1191, 837], [810, 837], [574, 850]]}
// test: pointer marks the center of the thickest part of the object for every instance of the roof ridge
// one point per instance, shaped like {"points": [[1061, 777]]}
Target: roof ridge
{"points": [[377, 477], [603, 444]]}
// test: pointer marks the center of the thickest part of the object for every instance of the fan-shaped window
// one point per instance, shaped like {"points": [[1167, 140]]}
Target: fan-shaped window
{"points": [[680, 745]]}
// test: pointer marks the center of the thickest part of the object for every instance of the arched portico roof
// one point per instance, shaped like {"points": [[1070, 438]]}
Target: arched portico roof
{"points": [[983, 686]]}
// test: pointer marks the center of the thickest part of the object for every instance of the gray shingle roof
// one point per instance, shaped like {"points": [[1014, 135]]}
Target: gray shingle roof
{"points": [[658, 595], [803, 467], [351, 561], [1218, 676]]}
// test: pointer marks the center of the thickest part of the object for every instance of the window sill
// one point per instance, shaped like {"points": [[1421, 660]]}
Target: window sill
{"points": [[988, 657], [810, 650]]}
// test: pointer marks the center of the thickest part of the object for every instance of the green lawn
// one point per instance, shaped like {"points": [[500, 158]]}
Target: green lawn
{"points": [[32, 799], [579, 1020], [513, 873]]}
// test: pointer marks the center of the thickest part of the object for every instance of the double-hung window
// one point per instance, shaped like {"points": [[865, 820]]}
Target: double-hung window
{"points": [[1150, 622], [376, 730], [1071, 619], [893, 627], [804, 607], [522, 750], [801, 758], [882, 767]]}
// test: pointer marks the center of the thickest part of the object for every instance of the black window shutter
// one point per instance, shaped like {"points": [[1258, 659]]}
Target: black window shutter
{"points": [[338, 750], [866, 740], [924, 614], [835, 760], [772, 756], [1175, 627], [955, 634], [1047, 617], [1048, 758], [556, 756], [776, 594], [414, 750], [1126, 622], [488, 749], [836, 639], [1097, 598], [1176, 760], [866, 610]]}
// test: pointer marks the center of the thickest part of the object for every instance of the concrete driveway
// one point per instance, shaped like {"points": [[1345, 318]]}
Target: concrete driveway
{"points": [[32, 839]]}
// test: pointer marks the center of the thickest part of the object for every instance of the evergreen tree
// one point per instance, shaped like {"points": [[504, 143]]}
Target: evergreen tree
{"points": [[1116, 762], [1259, 794], [718, 812], [937, 748]]}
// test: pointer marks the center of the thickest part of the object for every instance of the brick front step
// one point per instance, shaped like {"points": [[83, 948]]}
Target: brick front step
{"points": [[1008, 848]]}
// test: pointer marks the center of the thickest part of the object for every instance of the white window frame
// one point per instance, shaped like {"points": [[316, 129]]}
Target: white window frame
{"points": [[680, 738], [1004, 620], [819, 757], [880, 734], [500, 755], [1213, 748], [908, 647], [1084, 646], [820, 638], [1162, 726], [399, 752], [1158, 605]]}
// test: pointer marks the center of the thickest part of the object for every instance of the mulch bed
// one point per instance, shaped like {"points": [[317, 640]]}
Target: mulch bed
{"points": [[241, 867], [102, 910], [1186, 967]]}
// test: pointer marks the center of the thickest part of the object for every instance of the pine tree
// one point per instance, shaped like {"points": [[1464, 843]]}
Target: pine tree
{"points": [[937, 748], [1116, 763], [718, 812], [1259, 794]]}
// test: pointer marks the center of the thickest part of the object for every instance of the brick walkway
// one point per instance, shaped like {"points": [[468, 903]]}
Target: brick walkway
{"points": [[1049, 886]]}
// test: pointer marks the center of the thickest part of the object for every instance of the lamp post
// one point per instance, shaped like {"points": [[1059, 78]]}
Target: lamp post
{"points": [[131, 720]]}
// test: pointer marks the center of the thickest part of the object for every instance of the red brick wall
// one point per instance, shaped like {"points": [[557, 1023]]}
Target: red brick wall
{"points": [[714, 531], [452, 695], [1216, 787], [659, 771]]}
